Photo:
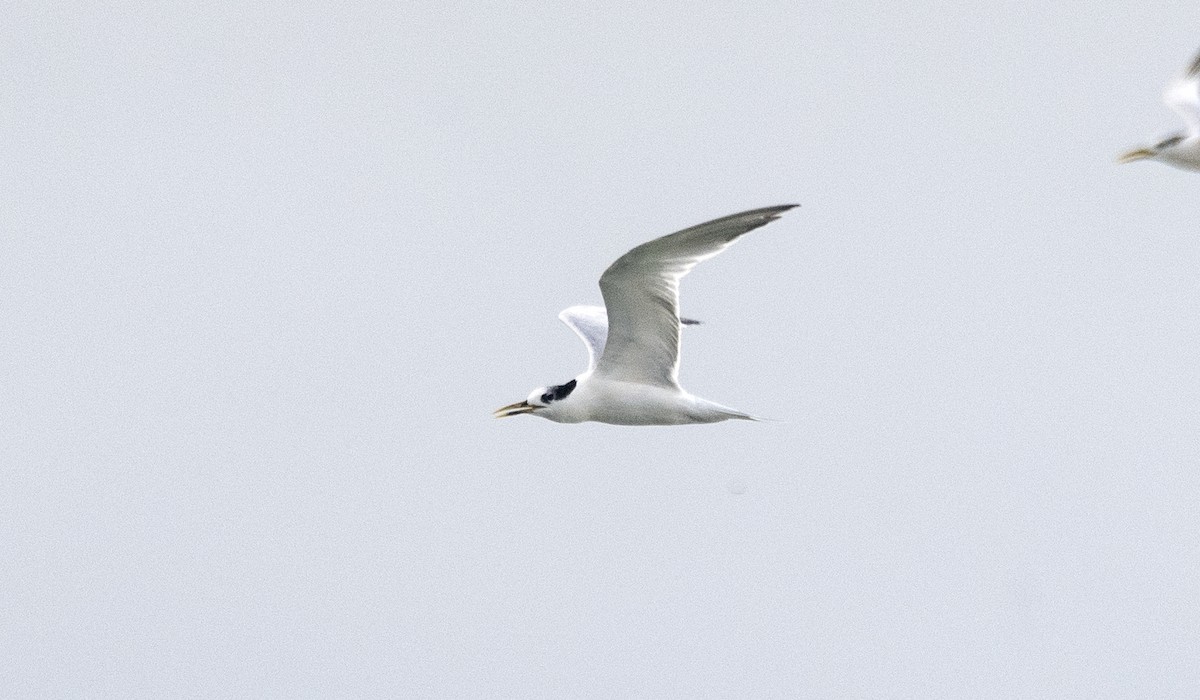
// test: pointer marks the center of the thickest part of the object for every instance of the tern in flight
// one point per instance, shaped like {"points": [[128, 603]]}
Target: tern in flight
{"points": [[633, 341], [1181, 149]]}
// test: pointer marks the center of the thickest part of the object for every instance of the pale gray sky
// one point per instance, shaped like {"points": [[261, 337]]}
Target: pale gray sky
{"points": [[266, 270]]}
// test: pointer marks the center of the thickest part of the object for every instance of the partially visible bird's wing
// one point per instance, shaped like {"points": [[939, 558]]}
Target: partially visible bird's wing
{"points": [[1183, 96], [641, 294], [591, 324]]}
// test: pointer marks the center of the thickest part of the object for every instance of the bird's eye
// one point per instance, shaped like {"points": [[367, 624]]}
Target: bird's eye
{"points": [[547, 397]]}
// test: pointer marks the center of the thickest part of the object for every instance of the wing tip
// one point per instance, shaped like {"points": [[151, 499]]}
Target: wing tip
{"points": [[582, 310], [770, 214], [764, 216]]}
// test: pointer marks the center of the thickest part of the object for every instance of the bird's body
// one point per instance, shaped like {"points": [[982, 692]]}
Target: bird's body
{"points": [[633, 341], [1181, 149], [633, 403]]}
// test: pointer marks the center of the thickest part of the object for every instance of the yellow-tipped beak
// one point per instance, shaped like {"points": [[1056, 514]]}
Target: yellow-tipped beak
{"points": [[514, 409], [1137, 154]]}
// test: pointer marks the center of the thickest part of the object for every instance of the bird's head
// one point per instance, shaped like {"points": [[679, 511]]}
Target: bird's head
{"points": [[1151, 152], [540, 399]]}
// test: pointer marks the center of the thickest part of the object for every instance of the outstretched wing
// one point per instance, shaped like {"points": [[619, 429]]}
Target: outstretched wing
{"points": [[1183, 96], [641, 295]]}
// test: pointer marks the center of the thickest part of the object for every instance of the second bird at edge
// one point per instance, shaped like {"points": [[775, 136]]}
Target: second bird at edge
{"points": [[1181, 149]]}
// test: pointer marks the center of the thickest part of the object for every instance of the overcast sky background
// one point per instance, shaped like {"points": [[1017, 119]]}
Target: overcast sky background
{"points": [[266, 270]]}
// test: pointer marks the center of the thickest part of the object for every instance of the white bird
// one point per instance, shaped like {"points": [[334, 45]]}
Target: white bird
{"points": [[1181, 149], [633, 342]]}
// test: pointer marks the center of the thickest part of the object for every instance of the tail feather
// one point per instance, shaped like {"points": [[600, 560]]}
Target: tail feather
{"points": [[739, 415]]}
